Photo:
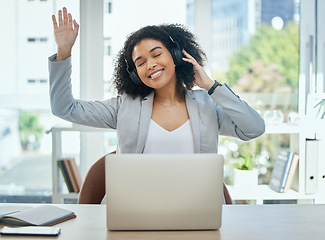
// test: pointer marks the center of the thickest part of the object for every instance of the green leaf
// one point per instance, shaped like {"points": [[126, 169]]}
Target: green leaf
{"points": [[246, 163], [264, 56]]}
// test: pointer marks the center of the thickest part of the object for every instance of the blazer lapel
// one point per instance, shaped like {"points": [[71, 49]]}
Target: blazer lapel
{"points": [[193, 112], [145, 116]]}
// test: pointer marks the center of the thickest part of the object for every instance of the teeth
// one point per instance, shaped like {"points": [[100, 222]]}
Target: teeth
{"points": [[155, 74]]}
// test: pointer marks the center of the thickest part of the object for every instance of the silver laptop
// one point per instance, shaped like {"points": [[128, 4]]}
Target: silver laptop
{"points": [[164, 191]]}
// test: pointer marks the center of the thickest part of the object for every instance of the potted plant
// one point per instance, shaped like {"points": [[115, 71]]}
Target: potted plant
{"points": [[30, 130], [245, 176]]}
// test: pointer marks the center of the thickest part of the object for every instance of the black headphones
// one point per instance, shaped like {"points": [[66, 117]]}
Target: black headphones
{"points": [[177, 56]]}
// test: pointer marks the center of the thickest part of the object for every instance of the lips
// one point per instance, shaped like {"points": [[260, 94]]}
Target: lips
{"points": [[156, 74]]}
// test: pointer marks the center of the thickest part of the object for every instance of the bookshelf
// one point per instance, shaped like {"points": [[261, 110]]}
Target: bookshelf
{"points": [[298, 135], [60, 193], [262, 192]]}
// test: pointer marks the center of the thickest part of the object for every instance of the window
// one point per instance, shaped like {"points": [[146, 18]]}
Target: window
{"points": [[25, 148], [248, 54], [236, 29]]}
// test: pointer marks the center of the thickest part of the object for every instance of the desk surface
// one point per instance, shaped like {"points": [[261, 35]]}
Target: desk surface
{"points": [[238, 222]]}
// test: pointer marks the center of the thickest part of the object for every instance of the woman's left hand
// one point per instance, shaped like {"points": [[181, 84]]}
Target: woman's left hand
{"points": [[201, 77]]}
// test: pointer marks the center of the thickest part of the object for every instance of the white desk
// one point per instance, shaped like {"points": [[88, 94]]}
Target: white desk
{"points": [[239, 222]]}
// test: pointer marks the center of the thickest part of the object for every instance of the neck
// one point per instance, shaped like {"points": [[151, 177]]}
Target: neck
{"points": [[170, 97]]}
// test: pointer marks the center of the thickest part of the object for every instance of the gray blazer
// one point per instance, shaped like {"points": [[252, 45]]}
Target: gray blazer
{"points": [[223, 113]]}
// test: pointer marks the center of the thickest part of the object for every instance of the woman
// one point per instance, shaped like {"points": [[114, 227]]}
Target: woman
{"points": [[156, 111]]}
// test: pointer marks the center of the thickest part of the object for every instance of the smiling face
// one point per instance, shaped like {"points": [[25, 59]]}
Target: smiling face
{"points": [[154, 64]]}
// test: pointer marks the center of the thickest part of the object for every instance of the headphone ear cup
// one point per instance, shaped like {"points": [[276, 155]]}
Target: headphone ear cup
{"points": [[135, 78], [177, 56]]}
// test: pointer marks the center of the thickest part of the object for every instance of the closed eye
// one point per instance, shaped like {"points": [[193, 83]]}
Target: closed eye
{"points": [[157, 55], [141, 64], [154, 56]]}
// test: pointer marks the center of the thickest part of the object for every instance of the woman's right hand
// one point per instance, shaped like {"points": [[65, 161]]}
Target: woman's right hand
{"points": [[65, 34]]}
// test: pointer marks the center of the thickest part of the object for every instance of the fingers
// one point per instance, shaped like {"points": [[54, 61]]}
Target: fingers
{"points": [[55, 24], [70, 19], [60, 18], [189, 58], [186, 54], [65, 16], [76, 27]]}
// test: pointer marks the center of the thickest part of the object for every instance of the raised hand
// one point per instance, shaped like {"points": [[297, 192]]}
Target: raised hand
{"points": [[65, 34], [201, 77]]}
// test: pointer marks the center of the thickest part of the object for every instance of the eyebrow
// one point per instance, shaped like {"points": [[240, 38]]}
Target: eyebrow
{"points": [[153, 49]]}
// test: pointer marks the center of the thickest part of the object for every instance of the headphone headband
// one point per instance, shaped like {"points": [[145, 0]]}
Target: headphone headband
{"points": [[170, 37]]}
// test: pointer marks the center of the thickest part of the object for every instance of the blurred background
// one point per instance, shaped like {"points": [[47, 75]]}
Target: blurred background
{"points": [[252, 45]]}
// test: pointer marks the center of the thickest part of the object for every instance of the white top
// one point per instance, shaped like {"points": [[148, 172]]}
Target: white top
{"points": [[159, 140]]}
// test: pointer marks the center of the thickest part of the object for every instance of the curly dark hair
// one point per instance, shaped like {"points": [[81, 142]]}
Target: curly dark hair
{"points": [[184, 72]]}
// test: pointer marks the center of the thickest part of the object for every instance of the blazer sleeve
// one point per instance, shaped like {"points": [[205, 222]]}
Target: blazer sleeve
{"points": [[236, 118], [102, 114]]}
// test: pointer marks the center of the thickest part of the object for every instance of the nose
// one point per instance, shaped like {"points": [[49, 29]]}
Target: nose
{"points": [[151, 63]]}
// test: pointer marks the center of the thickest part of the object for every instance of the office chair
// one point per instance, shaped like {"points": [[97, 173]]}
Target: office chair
{"points": [[93, 188]]}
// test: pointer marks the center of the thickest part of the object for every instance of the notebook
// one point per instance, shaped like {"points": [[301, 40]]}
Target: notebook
{"points": [[43, 215], [164, 191]]}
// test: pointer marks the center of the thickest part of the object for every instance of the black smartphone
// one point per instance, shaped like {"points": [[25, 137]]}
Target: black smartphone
{"points": [[31, 231]]}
